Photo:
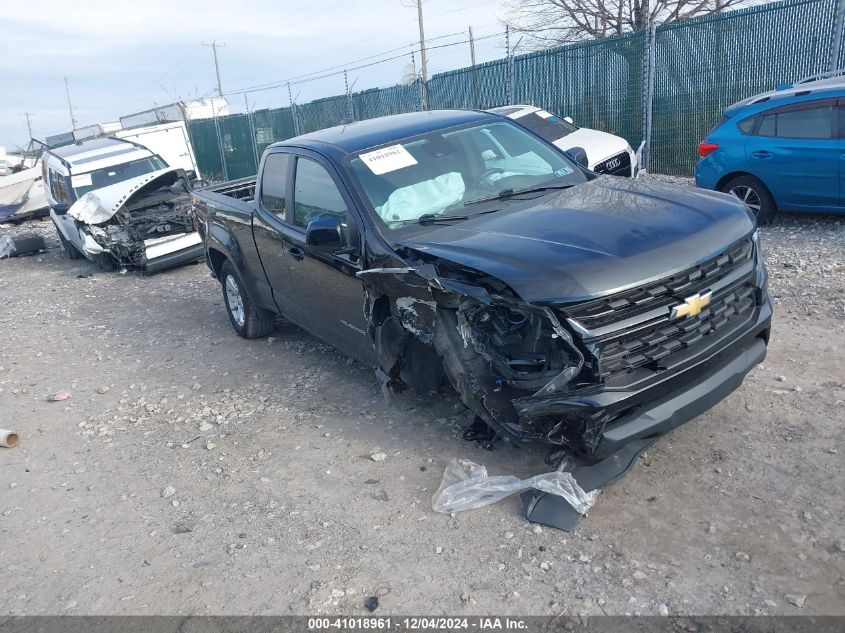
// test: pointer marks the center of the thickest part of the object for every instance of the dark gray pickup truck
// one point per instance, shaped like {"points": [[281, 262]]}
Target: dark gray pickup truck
{"points": [[455, 250]]}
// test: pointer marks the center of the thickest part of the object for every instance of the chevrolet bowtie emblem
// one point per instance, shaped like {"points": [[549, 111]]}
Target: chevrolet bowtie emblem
{"points": [[692, 305]]}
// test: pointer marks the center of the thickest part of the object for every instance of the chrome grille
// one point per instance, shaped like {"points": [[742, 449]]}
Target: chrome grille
{"points": [[617, 165], [650, 345]]}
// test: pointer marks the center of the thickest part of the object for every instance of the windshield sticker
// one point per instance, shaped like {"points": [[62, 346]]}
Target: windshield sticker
{"points": [[543, 114], [387, 159], [563, 171], [80, 180]]}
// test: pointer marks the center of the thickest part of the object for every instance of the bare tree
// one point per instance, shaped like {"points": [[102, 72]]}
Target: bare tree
{"points": [[549, 22]]}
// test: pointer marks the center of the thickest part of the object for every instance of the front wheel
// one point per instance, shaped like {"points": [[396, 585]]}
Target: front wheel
{"points": [[69, 249], [754, 194], [248, 320]]}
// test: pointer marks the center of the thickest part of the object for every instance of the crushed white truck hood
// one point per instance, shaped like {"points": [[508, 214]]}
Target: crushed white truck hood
{"points": [[100, 205]]}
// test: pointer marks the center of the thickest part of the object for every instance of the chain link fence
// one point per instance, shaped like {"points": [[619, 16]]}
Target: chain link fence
{"points": [[669, 89]]}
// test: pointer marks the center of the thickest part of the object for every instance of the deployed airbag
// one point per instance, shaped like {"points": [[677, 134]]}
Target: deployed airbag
{"points": [[430, 196]]}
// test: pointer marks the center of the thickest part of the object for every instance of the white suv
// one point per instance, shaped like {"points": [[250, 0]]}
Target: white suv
{"points": [[117, 203], [606, 153]]}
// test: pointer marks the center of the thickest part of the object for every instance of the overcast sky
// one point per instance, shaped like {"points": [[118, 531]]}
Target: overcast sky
{"points": [[124, 57]]}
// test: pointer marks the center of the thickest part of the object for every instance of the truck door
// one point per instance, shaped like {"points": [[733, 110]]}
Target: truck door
{"points": [[269, 228], [330, 297]]}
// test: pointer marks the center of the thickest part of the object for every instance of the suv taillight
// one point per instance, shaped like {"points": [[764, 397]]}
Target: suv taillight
{"points": [[705, 148]]}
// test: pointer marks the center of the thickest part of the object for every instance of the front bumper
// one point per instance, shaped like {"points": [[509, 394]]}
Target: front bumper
{"points": [[658, 409], [162, 256]]}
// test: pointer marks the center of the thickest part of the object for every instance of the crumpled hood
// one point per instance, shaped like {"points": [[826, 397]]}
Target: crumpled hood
{"points": [[100, 205], [592, 240]]}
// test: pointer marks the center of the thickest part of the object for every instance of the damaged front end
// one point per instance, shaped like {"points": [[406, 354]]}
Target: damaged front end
{"points": [[145, 222], [437, 323], [596, 380]]}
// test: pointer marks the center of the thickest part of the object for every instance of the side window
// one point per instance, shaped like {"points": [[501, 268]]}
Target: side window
{"points": [[798, 122], [768, 125], [274, 184], [315, 194], [747, 125], [812, 123], [58, 187]]}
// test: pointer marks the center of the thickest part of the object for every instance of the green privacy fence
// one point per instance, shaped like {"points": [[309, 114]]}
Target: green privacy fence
{"points": [[698, 68], [703, 66]]}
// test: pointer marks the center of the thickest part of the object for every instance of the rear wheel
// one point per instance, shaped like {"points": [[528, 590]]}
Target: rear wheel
{"points": [[248, 320], [754, 194]]}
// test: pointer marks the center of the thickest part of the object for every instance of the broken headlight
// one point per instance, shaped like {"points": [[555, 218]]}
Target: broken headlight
{"points": [[523, 345]]}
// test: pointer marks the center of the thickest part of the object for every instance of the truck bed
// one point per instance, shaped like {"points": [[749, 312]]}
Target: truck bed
{"points": [[234, 195]]}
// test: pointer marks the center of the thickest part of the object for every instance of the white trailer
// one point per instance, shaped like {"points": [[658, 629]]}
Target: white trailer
{"points": [[96, 130], [168, 140]]}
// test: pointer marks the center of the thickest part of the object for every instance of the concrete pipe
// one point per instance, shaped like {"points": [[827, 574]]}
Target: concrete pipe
{"points": [[8, 439]]}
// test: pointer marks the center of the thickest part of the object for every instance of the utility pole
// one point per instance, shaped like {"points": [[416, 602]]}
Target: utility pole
{"points": [[293, 113], [349, 109], [70, 106], [836, 41], [507, 41], [214, 46], [474, 77], [423, 56], [28, 122]]}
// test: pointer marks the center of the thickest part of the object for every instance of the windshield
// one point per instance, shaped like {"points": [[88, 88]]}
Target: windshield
{"points": [[83, 183], [440, 173], [547, 125]]}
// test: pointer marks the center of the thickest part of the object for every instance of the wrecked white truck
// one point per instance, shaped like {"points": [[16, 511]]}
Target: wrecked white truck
{"points": [[457, 250], [117, 203]]}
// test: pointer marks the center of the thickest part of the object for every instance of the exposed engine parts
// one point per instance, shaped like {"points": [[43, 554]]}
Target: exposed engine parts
{"points": [[475, 335]]}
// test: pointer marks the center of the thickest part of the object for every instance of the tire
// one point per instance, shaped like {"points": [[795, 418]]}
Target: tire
{"points": [[104, 262], [248, 320], [69, 249], [755, 194]]}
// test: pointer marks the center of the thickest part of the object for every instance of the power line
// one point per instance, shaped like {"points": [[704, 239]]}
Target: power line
{"points": [[338, 70], [344, 65]]}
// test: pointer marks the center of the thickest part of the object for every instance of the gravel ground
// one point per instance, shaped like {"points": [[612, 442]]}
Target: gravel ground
{"points": [[193, 472]]}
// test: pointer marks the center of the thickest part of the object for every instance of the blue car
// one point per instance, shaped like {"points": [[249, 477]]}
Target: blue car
{"points": [[781, 151]]}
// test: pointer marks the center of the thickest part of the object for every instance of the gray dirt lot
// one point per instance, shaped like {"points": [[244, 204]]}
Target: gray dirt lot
{"points": [[278, 507]]}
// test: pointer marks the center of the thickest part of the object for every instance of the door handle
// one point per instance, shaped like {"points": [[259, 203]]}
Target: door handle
{"points": [[761, 154], [296, 253]]}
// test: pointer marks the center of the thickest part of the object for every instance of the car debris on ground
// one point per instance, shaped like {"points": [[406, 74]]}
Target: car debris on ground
{"points": [[466, 486], [63, 394], [28, 244]]}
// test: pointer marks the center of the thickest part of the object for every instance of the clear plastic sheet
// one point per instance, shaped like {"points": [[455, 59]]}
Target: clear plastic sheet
{"points": [[7, 246], [466, 485]]}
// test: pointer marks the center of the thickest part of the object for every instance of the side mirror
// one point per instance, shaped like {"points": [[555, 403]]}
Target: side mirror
{"points": [[579, 155], [569, 120], [60, 208], [324, 234]]}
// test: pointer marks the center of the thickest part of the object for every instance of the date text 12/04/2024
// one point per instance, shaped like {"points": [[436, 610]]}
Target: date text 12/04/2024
{"points": [[416, 623]]}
